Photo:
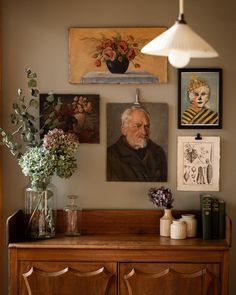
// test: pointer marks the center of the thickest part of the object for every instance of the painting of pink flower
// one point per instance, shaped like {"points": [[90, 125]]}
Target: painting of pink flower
{"points": [[131, 54], [107, 43], [117, 48], [122, 47], [109, 54]]}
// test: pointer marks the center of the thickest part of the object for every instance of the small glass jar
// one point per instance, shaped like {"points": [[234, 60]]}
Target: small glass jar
{"points": [[72, 216], [191, 222], [178, 230]]}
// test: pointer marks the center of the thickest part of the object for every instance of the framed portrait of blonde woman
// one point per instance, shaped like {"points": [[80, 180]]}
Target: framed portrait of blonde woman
{"points": [[200, 98]]}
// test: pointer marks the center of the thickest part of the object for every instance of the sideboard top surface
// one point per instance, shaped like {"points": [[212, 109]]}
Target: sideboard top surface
{"points": [[122, 241], [115, 229]]}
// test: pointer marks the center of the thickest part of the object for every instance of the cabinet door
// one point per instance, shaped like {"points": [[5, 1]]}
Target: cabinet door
{"points": [[169, 279], [67, 278]]}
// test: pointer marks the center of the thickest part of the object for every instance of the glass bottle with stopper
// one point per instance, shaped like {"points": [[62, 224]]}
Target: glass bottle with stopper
{"points": [[72, 216]]}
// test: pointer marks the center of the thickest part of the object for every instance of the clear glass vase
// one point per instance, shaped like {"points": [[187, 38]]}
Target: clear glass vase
{"points": [[72, 216], [40, 209]]}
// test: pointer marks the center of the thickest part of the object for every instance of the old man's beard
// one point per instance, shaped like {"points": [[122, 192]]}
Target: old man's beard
{"points": [[141, 143]]}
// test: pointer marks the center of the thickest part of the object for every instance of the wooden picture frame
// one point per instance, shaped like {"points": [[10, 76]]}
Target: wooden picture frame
{"points": [[200, 98], [96, 55], [198, 163], [76, 113]]}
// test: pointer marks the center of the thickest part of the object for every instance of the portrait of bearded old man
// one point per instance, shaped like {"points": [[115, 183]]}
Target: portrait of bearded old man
{"points": [[134, 156]]}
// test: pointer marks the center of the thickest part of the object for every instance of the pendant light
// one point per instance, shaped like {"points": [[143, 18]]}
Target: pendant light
{"points": [[179, 43]]}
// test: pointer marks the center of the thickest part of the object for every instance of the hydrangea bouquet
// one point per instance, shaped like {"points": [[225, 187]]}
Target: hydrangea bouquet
{"points": [[54, 157], [161, 197], [39, 158]]}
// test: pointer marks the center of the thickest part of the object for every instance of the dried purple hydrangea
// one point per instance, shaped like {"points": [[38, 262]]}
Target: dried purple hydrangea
{"points": [[161, 197]]}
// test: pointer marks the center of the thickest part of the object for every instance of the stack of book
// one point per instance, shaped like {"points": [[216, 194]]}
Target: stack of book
{"points": [[213, 217]]}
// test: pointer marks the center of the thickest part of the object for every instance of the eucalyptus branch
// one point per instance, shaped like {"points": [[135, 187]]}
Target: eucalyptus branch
{"points": [[17, 130]]}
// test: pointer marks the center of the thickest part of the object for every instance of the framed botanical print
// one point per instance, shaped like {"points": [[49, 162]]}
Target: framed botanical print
{"points": [[198, 164], [113, 56], [199, 98]]}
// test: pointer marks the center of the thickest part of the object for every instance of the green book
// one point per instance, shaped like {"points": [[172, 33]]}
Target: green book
{"points": [[215, 218], [206, 216], [221, 219]]}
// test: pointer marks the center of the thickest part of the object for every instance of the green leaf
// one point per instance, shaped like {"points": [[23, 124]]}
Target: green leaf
{"points": [[22, 136], [50, 98], [34, 103], [30, 74], [28, 71], [8, 137], [29, 137], [15, 106], [14, 119], [17, 146], [32, 83], [34, 92], [51, 115], [48, 121], [19, 91], [29, 118], [46, 105], [32, 129]]}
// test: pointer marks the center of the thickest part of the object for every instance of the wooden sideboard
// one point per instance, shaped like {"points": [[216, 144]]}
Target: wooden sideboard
{"points": [[119, 252]]}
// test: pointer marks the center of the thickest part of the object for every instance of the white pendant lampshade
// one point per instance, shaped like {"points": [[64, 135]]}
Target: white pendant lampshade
{"points": [[179, 43]]}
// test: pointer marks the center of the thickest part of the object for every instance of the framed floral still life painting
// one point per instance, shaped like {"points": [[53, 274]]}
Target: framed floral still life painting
{"points": [[113, 55], [200, 98], [76, 113], [198, 166]]}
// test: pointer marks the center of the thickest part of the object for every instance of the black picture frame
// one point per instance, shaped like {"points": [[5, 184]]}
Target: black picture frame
{"points": [[191, 116]]}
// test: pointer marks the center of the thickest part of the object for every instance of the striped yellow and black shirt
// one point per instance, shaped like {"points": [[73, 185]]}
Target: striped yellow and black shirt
{"points": [[203, 116]]}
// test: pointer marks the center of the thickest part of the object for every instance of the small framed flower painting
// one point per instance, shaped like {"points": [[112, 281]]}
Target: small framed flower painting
{"points": [[113, 55], [198, 166], [200, 98], [76, 113]]}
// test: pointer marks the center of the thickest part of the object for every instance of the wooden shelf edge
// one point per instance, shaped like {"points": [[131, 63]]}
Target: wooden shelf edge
{"points": [[228, 230]]}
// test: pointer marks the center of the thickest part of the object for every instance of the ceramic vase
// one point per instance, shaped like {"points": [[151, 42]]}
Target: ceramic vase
{"points": [[178, 230], [191, 223], [165, 222], [118, 67]]}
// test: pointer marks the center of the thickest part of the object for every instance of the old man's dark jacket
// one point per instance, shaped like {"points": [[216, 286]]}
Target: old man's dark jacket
{"points": [[127, 164]]}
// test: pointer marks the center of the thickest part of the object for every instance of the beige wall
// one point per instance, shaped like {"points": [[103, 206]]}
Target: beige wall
{"points": [[35, 34]]}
